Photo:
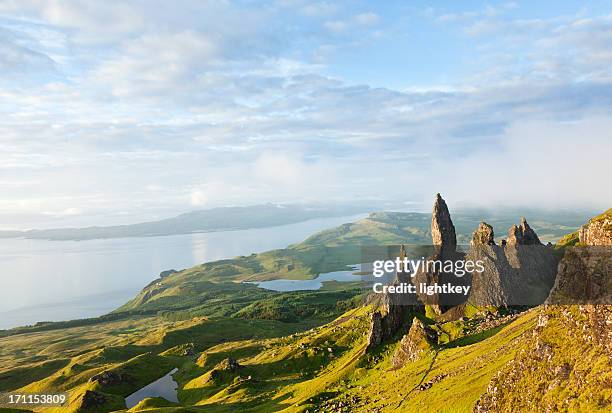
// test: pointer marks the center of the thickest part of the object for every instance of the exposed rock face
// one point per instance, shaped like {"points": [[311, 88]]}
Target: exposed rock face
{"points": [[584, 276], [229, 364], [375, 335], [585, 273], [563, 362], [483, 235], [598, 231], [419, 341], [444, 240], [442, 228], [111, 378], [519, 272], [570, 349], [522, 235], [92, 399], [389, 319]]}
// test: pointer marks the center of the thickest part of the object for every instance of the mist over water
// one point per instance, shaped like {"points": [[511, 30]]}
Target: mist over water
{"points": [[60, 280]]}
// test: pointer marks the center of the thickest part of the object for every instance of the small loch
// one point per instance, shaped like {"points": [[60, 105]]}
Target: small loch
{"points": [[164, 387]]}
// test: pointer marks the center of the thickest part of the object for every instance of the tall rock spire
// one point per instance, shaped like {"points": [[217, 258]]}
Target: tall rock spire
{"points": [[442, 228]]}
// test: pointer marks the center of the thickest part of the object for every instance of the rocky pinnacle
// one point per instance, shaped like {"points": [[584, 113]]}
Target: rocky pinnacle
{"points": [[442, 228], [522, 234], [483, 235]]}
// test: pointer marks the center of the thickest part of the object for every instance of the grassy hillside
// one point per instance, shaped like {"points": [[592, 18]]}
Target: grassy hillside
{"points": [[296, 351]]}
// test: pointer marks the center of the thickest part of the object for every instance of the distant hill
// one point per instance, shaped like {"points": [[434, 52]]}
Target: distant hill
{"points": [[208, 220]]}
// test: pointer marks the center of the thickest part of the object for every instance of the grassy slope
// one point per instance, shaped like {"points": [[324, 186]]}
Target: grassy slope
{"points": [[298, 373], [295, 369]]}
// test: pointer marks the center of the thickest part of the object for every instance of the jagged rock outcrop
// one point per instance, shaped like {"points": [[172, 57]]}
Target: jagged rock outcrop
{"points": [[375, 335], [585, 270], [386, 322], [583, 276], [522, 235], [598, 231], [483, 235], [419, 341], [564, 364], [228, 364], [487, 287], [111, 378], [519, 272]]}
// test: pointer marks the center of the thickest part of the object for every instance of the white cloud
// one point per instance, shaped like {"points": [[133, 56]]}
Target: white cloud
{"points": [[206, 105], [367, 19], [155, 63]]}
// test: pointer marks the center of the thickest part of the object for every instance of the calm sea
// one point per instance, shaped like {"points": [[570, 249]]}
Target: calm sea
{"points": [[63, 280]]}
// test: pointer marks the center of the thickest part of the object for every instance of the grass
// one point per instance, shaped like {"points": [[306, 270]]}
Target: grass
{"points": [[298, 350]]}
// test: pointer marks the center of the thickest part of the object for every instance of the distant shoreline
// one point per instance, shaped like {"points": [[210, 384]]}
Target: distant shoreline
{"points": [[197, 222]]}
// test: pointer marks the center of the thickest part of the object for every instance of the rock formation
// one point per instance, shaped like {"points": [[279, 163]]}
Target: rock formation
{"points": [[111, 378], [228, 364], [519, 272], [598, 231], [483, 235], [570, 349], [375, 335], [419, 341], [442, 228], [585, 271], [444, 240], [488, 286], [392, 316], [522, 235]]}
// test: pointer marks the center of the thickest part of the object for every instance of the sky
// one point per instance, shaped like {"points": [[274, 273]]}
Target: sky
{"points": [[117, 112]]}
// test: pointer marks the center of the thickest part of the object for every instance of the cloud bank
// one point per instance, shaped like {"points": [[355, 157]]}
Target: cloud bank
{"points": [[122, 111]]}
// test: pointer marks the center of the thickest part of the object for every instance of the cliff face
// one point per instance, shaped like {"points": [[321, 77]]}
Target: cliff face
{"points": [[598, 231], [564, 365], [520, 271]]}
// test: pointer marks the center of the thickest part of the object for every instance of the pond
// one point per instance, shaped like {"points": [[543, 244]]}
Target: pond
{"points": [[163, 387]]}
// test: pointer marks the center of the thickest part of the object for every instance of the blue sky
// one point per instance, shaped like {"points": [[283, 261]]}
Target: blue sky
{"points": [[122, 111]]}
